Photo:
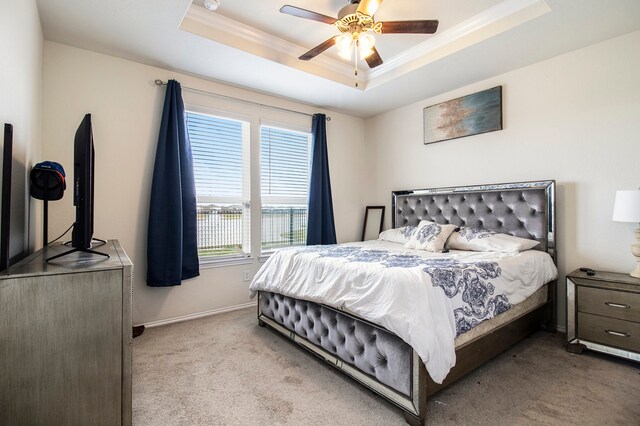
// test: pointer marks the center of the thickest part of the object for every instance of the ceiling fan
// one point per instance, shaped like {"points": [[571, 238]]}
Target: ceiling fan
{"points": [[356, 23]]}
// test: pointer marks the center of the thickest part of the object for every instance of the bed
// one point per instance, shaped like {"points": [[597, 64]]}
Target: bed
{"points": [[384, 351]]}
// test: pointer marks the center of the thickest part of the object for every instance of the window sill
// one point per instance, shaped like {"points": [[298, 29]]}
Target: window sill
{"points": [[265, 255], [209, 262]]}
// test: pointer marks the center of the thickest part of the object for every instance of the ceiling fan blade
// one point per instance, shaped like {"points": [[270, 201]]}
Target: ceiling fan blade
{"points": [[307, 14], [369, 7], [318, 49], [374, 59], [410, 27]]}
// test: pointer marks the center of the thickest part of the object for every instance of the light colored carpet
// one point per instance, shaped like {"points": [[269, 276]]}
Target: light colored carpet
{"points": [[225, 370]]}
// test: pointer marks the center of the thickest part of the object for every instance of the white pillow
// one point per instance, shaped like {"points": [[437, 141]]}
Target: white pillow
{"points": [[476, 239], [430, 236], [398, 235]]}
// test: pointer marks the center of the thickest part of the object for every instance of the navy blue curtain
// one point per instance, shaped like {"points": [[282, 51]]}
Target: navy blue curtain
{"points": [[172, 239], [321, 228]]}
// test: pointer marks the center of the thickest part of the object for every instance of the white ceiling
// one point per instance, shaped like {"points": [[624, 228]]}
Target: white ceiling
{"points": [[265, 16], [250, 44]]}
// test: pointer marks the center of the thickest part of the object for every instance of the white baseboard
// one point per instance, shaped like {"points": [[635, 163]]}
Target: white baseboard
{"points": [[559, 328], [190, 317]]}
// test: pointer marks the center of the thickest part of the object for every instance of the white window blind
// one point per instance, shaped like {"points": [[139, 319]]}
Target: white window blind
{"points": [[284, 164], [220, 149], [284, 182], [216, 144]]}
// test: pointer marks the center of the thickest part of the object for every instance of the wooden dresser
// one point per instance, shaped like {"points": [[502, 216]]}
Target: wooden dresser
{"points": [[603, 313], [65, 339]]}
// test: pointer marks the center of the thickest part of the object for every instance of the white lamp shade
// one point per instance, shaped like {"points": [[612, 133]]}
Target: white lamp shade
{"points": [[344, 45], [627, 206], [365, 45]]}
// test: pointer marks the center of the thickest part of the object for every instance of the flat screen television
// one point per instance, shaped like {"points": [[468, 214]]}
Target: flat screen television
{"points": [[83, 191], [83, 185], [5, 222]]}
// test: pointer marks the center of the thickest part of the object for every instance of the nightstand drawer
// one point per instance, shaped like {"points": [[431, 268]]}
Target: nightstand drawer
{"points": [[609, 303], [609, 331]]}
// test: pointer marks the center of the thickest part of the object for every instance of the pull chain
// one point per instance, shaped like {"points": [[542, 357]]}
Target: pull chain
{"points": [[356, 56]]}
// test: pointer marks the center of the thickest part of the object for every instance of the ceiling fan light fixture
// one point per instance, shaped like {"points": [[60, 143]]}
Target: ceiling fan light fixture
{"points": [[358, 26], [366, 42], [211, 5], [344, 43], [345, 54]]}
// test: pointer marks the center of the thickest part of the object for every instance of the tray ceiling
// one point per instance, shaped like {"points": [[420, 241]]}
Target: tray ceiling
{"points": [[249, 44], [257, 27]]}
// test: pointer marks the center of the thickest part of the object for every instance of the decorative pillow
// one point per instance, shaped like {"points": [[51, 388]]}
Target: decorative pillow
{"points": [[398, 235], [430, 236], [480, 240]]}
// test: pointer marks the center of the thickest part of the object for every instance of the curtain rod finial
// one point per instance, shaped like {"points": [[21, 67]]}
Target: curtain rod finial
{"points": [[158, 82]]}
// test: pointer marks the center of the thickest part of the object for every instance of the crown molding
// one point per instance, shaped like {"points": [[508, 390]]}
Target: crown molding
{"points": [[502, 17], [230, 32], [487, 24]]}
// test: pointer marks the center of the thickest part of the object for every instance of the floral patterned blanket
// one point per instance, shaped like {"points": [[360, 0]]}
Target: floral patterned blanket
{"points": [[426, 298]]}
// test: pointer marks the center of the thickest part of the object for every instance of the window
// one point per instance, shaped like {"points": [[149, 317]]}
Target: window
{"points": [[284, 176], [221, 163], [220, 148]]}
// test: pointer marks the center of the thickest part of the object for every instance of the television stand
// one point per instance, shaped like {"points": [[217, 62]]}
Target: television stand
{"points": [[74, 250], [65, 340]]}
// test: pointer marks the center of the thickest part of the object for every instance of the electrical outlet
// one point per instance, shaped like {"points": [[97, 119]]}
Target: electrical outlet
{"points": [[246, 275]]}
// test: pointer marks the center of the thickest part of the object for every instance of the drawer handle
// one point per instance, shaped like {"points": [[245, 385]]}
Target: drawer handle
{"points": [[617, 305], [617, 333]]}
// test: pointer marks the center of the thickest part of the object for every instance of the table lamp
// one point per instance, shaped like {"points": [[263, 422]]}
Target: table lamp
{"points": [[627, 209]]}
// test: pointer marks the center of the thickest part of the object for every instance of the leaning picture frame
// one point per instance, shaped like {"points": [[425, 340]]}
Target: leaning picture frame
{"points": [[373, 222]]}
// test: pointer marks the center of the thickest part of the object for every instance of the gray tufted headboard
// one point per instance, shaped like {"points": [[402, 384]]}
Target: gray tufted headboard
{"points": [[524, 209]]}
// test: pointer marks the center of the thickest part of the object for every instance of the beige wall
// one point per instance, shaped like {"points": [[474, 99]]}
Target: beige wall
{"points": [[574, 118], [126, 108], [21, 45]]}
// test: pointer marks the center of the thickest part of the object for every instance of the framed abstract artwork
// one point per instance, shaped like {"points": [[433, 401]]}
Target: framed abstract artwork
{"points": [[469, 115]]}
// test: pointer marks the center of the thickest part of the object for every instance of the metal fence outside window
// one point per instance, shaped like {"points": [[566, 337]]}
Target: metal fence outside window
{"points": [[220, 228], [283, 227]]}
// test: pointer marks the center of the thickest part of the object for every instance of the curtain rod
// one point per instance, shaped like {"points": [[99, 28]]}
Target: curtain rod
{"points": [[162, 83]]}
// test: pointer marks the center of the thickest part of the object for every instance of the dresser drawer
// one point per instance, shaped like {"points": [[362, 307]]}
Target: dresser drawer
{"points": [[609, 303], [609, 331]]}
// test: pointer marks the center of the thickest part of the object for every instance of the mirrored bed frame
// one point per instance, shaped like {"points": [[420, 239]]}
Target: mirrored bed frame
{"points": [[379, 359]]}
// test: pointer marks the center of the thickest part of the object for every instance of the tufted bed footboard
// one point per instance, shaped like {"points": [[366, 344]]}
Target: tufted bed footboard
{"points": [[367, 352], [371, 349]]}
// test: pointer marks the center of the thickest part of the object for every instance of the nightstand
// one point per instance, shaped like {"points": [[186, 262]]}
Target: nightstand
{"points": [[603, 313]]}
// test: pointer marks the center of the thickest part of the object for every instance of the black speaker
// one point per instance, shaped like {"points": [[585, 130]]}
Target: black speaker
{"points": [[47, 181]]}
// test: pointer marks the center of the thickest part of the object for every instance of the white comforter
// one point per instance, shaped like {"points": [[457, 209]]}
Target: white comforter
{"points": [[427, 299]]}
